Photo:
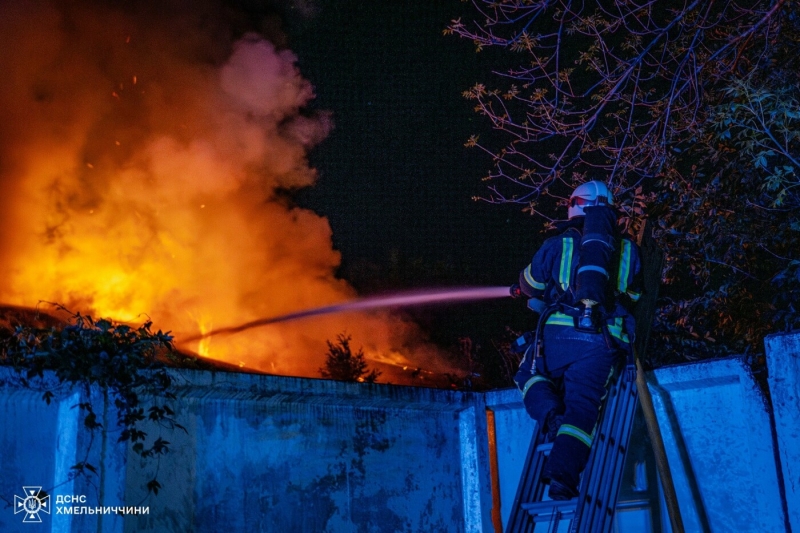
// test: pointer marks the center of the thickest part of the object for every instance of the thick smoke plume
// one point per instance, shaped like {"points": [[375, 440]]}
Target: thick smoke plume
{"points": [[145, 156]]}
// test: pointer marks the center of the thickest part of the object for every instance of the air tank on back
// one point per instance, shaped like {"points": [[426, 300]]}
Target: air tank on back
{"points": [[596, 253]]}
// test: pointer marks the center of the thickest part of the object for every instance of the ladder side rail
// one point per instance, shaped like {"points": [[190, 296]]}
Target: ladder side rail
{"points": [[617, 450], [538, 488], [611, 502], [633, 403], [595, 471], [518, 521], [606, 507]]}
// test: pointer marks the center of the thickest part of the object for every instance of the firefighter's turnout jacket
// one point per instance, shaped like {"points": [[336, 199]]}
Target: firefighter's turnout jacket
{"points": [[551, 273], [563, 390]]}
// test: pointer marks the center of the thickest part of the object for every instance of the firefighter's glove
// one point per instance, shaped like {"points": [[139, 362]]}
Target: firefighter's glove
{"points": [[630, 373], [522, 343], [516, 291]]}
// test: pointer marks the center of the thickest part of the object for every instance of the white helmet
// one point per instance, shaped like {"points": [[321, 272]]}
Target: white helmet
{"points": [[589, 193]]}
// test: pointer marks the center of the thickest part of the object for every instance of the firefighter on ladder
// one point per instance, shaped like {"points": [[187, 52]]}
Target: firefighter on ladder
{"points": [[583, 284]]}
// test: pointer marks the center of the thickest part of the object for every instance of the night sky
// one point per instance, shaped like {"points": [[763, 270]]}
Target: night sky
{"points": [[396, 181]]}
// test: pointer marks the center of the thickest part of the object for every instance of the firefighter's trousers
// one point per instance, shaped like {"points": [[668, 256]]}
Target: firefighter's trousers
{"points": [[567, 387]]}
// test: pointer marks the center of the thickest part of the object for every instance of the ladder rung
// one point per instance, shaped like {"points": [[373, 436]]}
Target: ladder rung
{"points": [[545, 511], [544, 448]]}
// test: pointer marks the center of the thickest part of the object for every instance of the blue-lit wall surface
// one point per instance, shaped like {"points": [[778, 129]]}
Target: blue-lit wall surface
{"points": [[717, 434], [260, 453], [783, 361], [266, 453]]}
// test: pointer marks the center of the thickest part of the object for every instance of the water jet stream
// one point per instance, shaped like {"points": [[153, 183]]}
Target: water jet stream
{"points": [[403, 299]]}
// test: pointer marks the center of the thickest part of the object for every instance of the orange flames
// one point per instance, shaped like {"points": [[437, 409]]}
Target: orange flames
{"points": [[143, 163]]}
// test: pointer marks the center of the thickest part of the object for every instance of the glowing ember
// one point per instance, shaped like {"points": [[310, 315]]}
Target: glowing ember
{"points": [[142, 163]]}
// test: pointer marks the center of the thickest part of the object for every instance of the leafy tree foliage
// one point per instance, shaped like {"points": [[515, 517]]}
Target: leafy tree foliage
{"points": [[344, 365], [728, 211], [128, 362], [688, 110]]}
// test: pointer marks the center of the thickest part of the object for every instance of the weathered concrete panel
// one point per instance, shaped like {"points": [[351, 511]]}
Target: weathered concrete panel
{"points": [[260, 453], [280, 454], [475, 485], [24, 461], [39, 445], [783, 362], [717, 434], [514, 431]]}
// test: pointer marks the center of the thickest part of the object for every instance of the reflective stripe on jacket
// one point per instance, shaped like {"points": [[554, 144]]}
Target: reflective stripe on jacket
{"points": [[554, 267]]}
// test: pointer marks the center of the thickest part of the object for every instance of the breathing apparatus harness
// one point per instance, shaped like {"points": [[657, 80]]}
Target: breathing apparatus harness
{"points": [[591, 293]]}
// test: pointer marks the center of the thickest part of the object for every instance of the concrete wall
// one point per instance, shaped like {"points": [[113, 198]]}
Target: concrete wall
{"points": [[261, 453], [280, 454], [717, 433], [783, 361], [264, 453]]}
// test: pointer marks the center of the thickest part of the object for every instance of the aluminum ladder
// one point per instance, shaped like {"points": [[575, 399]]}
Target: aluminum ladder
{"points": [[593, 510]]}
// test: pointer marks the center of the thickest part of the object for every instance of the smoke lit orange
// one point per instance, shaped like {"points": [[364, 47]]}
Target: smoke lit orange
{"points": [[141, 157]]}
